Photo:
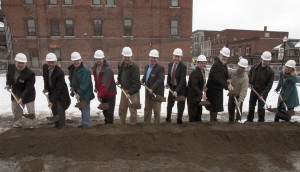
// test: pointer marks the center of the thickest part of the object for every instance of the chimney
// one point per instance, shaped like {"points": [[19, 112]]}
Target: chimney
{"points": [[265, 28]]}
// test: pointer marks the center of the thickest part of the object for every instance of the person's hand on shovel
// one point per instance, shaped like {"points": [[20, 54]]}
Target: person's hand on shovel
{"points": [[7, 87], [230, 87], [77, 96], [20, 101], [175, 94]]}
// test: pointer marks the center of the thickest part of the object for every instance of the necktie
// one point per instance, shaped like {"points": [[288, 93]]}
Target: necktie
{"points": [[148, 72], [173, 74]]}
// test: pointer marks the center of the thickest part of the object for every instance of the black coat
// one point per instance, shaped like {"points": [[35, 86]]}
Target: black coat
{"points": [[217, 81], [180, 76], [58, 91], [195, 85], [265, 86], [156, 79], [24, 86]]}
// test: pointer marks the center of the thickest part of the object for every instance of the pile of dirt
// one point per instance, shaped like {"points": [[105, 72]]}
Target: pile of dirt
{"points": [[163, 147]]}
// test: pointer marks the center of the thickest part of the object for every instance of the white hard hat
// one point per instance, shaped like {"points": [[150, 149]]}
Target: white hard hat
{"points": [[201, 58], [178, 52], [75, 56], [266, 56], [127, 52], [154, 53], [225, 51], [99, 54], [50, 57], [243, 63], [20, 57], [291, 63]]}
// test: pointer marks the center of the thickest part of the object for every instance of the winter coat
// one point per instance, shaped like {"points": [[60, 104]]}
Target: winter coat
{"points": [[217, 81], [265, 86], [58, 91], [195, 85], [156, 80], [288, 91], [85, 88], [240, 84], [24, 86], [105, 83], [180, 76], [129, 77]]}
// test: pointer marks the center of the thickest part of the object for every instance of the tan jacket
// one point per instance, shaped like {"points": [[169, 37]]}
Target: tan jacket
{"points": [[240, 84]]}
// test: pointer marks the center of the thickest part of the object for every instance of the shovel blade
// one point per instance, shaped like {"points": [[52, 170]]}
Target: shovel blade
{"points": [[81, 104], [274, 110], [53, 118], [103, 106], [135, 106], [204, 103], [159, 98], [29, 115], [289, 112], [180, 98]]}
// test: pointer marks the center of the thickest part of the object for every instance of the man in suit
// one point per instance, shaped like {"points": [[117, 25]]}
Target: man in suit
{"points": [[56, 87], [218, 79], [154, 79], [176, 81], [21, 80]]}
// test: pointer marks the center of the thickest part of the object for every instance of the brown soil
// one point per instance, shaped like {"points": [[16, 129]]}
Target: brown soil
{"points": [[149, 147]]}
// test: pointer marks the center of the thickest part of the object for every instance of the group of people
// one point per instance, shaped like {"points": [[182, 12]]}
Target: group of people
{"points": [[198, 91]]}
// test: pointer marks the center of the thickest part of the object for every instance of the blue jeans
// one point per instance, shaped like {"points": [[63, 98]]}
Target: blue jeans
{"points": [[85, 115]]}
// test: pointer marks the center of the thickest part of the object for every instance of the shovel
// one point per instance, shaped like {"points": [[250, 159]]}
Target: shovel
{"points": [[204, 102], [269, 108], [52, 117], [238, 108], [178, 98], [103, 106], [25, 114], [132, 105], [156, 97], [80, 104], [289, 112]]}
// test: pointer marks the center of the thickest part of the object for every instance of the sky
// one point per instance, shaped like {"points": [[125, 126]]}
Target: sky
{"points": [[277, 15]]}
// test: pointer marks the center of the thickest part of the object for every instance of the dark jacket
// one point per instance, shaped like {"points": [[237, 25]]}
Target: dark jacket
{"points": [[105, 83], [58, 91], [288, 91], [24, 86], [195, 85], [180, 76], [216, 82], [131, 80], [265, 86], [156, 80], [85, 87]]}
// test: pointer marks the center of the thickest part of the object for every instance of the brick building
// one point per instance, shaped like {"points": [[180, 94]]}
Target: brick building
{"points": [[64, 26]]}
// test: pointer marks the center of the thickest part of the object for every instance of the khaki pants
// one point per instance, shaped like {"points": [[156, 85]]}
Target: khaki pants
{"points": [[17, 110], [149, 105], [124, 102]]}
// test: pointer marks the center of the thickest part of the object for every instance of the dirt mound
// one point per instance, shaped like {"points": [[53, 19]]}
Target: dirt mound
{"points": [[200, 146]]}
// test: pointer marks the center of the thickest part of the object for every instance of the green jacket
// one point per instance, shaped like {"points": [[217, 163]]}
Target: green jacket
{"points": [[288, 91], [85, 85], [129, 77]]}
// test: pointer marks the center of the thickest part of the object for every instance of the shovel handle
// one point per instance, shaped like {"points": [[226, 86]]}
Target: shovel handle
{"points": [[238, 108], [147, 88], [258, 95], [125, 94], [283, 101]]}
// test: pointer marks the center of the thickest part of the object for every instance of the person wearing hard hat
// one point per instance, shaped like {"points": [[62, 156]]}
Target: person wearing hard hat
{"points": [[81, 87], [153, 78], [240, 81], [261, 77], [176, 81], [196, 86], [288, 91], [129, 80], [216, 82], [105, 85], [20, 79], [57, 89]]}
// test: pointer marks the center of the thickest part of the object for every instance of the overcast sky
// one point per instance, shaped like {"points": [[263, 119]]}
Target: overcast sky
{"points": [[277, 15]]}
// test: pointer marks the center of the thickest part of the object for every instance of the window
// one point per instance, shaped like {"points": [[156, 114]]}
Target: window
{"points": [[68, 2], [267, 34], [54, 27], [111, 2], [97, 27], [69, 27], [96, 2], [31, 30], [248, 50], [174, 28], [53, 2], [127, 27], [34, 56], [29, 2], [56, 51], [174, 3]]}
